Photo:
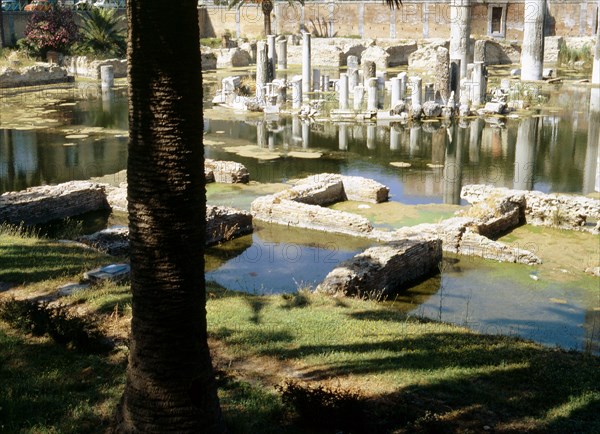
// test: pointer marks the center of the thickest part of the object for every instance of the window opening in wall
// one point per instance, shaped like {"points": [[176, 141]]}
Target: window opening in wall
{"points": [[497, 19]]}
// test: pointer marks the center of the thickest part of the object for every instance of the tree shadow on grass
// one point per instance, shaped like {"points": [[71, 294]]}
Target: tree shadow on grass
{"points": [[46, 388], [46, 260], [465, 380]]}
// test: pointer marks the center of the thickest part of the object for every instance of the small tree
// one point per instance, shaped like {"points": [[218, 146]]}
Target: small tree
{"points": [[102, 33], [54, 30]]}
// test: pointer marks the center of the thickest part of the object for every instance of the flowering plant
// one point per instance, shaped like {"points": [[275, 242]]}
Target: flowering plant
{"points": [[54, 30]]}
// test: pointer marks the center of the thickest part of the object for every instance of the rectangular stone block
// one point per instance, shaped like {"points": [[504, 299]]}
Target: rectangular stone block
{"points": [[384, 270]]}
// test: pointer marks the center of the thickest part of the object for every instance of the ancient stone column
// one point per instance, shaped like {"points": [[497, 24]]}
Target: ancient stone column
{"points": [[296, 129], [352, 62], [475, 139], [281, 89], [325, 83], [282, 54], [479, 83], [372, 94], [417, 92], [452, 174], [359, 94], [343, 137], [394, 139], [343, 91], [460, 32], [380, 89], [403, 76], [371, 136], [596, 65], [316, 80], [524, 170], [306, 66], [591, 168], [262, 69], [296, 92], [305, 135], [414, 139], [272, 56], [441, 86], [395, 92], [261, 134], [353, 79], [107, 76], [532, 50], [479, 51], [369, 71]]}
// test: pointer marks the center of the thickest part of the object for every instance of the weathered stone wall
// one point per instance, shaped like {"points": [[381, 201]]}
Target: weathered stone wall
{"points": [[414, 19], [46, 203], [291, 213], [540, 209], [33, 76], [225, 172], [384, 270], [222, 224], [81, 66]]}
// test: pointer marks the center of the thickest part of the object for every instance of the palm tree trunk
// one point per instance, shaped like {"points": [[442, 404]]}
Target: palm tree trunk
{"points": [[267, 8], [170, 383]]}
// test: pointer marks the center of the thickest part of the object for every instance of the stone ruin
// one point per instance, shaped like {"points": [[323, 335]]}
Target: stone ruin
{"points": [[383, 270], [303, 204], [561, 211], [222, 224]]}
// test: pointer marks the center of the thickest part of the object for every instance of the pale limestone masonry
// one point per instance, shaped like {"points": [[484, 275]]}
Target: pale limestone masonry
{"points": [[46, 203], [459, 236], [222, 224], [354, 188], [36, 75], [81, 66], [541, 209], [383, 270], [292, 213], [303, 204], [225, 172]]}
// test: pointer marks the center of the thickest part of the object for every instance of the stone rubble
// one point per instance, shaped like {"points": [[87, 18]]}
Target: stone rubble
{"points": [[226, 172], [46, 203], [222, 224], [540, 209], [381, 271]]}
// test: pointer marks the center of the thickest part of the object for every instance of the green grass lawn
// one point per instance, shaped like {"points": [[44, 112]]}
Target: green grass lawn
{"points": [[379, 370]]}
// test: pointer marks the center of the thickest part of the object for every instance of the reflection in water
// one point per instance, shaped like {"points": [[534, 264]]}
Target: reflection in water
{"points": [[30, 157], [591, 172], [558, 152], [514, 154], [523, 178]]}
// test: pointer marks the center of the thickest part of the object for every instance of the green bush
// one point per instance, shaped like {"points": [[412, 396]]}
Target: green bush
{"points": [[66, 329], [102, 34], [323, 407]]}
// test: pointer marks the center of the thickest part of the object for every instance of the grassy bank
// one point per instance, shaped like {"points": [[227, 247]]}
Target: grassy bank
{"points": [[284, 362]]}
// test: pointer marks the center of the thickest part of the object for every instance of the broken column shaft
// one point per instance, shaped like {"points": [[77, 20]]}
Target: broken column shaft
{"points": [[532, 52]]}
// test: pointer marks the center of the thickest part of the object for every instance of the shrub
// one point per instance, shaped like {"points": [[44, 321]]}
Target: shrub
{"points": [[324, 407], [102, 33], [66, 329], [54, 30]]}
